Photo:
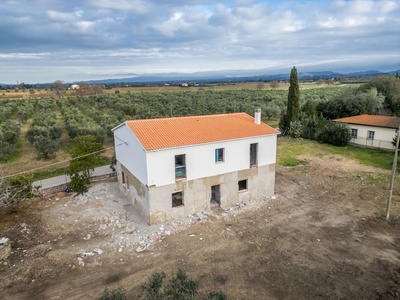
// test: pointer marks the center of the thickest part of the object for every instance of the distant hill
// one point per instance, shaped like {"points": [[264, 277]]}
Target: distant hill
{"points": [[226, 76], [230, 76]]}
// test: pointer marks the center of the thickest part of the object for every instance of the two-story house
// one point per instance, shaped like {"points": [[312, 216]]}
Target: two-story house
{"points": [[173, 167]]}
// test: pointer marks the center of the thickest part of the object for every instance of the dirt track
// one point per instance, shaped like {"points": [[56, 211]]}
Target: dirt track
{"points": [[322, 237]]}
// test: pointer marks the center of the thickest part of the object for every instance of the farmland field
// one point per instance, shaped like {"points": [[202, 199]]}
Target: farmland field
{"points": [[97, 115]]}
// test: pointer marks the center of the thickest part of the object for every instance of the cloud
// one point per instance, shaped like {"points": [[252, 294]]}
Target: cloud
{"points": [[137, 36]]}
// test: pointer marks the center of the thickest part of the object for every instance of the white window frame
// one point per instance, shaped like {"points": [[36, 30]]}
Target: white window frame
{"points": [[370, 135], [354, 130]]}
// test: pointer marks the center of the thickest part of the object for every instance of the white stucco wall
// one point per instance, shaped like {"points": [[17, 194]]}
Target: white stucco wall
{"points": [[200, 159], [382, 138], [132, 154]]}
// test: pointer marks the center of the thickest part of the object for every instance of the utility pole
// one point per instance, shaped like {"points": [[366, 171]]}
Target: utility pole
{"points": [[393, 173]]}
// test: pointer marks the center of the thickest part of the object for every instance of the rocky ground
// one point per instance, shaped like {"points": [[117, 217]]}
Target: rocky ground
{"points": [[321, 237]]}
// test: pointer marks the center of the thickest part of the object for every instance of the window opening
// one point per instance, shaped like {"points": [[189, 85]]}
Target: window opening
{"points": [[215, 195], [242, 185], [123, 176], [371, 135], [177, 199], [253, 155], [180, 166], [219, 155], [354, 133]]}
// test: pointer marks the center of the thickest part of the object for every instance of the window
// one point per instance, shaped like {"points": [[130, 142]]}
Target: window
{"points": [[180, 166], [219, 155], [354, 132], [253, 155], [177, 199], [371, 135], [123, 176], [242, 185]]}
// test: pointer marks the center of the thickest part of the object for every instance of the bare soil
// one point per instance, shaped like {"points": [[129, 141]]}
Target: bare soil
{"points": [[321, 237]]}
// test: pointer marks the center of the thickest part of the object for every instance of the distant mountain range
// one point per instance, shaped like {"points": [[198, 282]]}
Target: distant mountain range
{"points": [[225, 76], [231, 76]]}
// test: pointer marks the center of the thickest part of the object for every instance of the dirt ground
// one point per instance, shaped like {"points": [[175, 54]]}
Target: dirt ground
{"points": [[321, 237]]}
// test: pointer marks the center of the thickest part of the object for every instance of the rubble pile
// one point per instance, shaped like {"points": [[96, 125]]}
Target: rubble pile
{"points": [[106, 205]]}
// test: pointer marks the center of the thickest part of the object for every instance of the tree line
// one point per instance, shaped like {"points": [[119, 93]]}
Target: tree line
{"points": [[313, 120]]}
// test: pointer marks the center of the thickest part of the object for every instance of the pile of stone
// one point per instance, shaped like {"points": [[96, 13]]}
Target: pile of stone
{"points": [[5, 248]]}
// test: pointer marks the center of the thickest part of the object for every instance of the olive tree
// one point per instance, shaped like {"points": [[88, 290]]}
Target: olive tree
{"points": [[85, 152]]}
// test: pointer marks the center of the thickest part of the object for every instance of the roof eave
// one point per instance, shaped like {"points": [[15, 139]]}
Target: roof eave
{"points": [[118, 126]]}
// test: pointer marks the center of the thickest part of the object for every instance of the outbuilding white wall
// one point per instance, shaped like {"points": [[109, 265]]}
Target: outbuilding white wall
{"points": [[200, 159], [382, 139], [130, 154]]}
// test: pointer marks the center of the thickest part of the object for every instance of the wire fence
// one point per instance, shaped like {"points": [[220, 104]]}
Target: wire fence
{"points": [[372, 143]]}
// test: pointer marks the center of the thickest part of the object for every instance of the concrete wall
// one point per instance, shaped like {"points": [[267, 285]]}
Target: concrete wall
{"points": [[135, 190], [200, 159], [197, 193], [382, 138], [130, 154]]}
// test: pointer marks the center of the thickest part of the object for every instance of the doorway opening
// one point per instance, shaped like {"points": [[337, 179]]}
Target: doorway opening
{"points": [[215, 195]]}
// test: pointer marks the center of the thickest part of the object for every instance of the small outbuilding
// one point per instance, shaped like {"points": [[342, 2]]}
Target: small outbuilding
{"points": [[173, 167], [374, 131]]}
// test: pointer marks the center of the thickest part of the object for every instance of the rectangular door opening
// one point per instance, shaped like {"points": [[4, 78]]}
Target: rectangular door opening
{"points": [[215, 195]]}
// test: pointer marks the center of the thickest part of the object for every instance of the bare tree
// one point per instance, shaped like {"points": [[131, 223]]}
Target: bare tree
{"points": [[97, 89], [15, 189], [274, 84], [58, 88]]}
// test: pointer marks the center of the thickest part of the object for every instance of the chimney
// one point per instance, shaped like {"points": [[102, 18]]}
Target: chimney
{"points": [[257, 116]]}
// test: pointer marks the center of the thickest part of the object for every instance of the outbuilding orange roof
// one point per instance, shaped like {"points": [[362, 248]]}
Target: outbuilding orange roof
{"points": [[165, 133], [372, 120]]}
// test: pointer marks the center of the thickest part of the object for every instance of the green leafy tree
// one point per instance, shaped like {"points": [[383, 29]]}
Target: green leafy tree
{"points": [[5, 149], [293, 105], [352, 102], [11, 131], [45, 145], [85, 152], [389, 87]]}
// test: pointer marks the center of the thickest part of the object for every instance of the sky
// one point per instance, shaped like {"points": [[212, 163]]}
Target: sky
{"points": [[74, 40]]}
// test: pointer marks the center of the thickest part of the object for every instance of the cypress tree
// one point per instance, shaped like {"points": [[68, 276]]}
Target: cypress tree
{"points": [[293, 105]]}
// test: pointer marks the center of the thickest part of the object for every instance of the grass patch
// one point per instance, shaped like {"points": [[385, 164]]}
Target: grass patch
{"points": [[293, 148], [376, 178], [273, 122], [290, 162]]}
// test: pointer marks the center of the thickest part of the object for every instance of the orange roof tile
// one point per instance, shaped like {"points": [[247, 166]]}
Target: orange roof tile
{"points": [[164, 133], [372, 120]]}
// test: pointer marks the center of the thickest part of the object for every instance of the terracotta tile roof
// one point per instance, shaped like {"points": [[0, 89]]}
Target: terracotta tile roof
{"points": [[182, 131], [372, 120]]}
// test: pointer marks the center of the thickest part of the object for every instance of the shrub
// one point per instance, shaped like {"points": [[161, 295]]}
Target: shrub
{"points": [[115, 294], [179, 287], [296, 129], [337, 134]]}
